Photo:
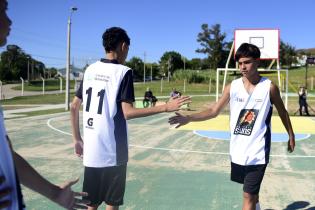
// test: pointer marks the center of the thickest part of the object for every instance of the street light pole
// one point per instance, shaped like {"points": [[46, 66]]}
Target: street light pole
{"points": [[144, 67], [68, 60], [28, 69]]}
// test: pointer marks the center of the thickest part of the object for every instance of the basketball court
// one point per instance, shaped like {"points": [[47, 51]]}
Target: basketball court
{"points": [[186, 168], [173, 168]]}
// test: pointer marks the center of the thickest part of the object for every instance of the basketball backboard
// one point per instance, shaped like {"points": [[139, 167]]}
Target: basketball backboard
{"points": [[267, 40]]}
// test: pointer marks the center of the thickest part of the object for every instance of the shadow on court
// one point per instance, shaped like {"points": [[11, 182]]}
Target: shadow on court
{"points": [[297, 205]]}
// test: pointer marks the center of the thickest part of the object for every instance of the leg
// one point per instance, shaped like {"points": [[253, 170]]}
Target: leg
{"points": [[108, 207], [91, 183], [154, 100], [258, 205], [116, 180], [306, 110], [249, 201], [252, 182], [146, 103]]}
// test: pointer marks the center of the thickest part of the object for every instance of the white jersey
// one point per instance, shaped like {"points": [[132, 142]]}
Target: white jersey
{"points": [[7, 170], [106, 84], [250, 123]]}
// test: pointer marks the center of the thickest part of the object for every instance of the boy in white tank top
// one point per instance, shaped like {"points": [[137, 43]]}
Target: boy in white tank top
{"points": [[107, 95], [251, 98]]}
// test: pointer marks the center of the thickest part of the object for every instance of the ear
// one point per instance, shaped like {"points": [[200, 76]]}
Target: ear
{"points": [[124, 46]]}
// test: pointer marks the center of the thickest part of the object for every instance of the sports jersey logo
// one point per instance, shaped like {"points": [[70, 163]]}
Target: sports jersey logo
{"points": [[246, 122], [239, 99], [90, 123]]}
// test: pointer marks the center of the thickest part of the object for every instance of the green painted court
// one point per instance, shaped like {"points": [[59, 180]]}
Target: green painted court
{"points": [[169, 169]]}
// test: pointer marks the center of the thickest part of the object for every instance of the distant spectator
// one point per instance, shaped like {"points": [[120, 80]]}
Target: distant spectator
{"points": [[149, 98], [302, 101], [175, 93]]}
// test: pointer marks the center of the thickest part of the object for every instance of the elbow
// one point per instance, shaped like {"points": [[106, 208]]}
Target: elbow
{"points": [[213, 113], [127, 115], [74, 107]]}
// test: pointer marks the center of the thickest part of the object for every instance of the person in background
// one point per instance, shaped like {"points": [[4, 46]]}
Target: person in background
{"points": [[175, 93], [302, 101], [149, 98]]}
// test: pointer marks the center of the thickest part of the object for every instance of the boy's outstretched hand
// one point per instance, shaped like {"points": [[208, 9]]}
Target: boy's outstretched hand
{"points": [[70, 199], [176, 102], [178, 119]]}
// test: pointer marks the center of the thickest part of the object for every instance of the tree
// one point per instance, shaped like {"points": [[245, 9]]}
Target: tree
{"points": [[170, 61], [287, 54], [51, 72], [155, 69], [212, 44], [136, 64], [195, 63], [14, 64]]}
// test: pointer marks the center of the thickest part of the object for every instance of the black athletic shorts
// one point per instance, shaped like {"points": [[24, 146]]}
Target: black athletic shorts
{"points": [[105, 184], [250, 176]]}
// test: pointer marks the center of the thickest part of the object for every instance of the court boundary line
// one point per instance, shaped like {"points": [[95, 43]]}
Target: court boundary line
{"points": [[221, 139], [177, 150]]}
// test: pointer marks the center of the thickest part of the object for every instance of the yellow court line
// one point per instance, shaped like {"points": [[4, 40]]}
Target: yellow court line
{"points": [[302, 125]]}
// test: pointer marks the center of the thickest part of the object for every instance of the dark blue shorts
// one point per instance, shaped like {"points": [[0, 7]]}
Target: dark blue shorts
{"points": [[250, 176], [105, 185]]}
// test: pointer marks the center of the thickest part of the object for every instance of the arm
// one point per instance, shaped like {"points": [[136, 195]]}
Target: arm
{"points": [[130, 112], [283, 114], [75, 116], [211, 112], [62, 195]]}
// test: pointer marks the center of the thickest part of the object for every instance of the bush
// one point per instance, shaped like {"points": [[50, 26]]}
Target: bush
{"points": [[192, 76]]}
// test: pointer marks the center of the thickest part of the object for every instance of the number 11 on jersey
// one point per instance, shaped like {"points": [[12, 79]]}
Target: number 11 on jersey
{"points": [[100, 94]]}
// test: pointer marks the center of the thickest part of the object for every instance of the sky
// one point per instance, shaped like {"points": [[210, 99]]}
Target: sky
{"points": [[154, 26]]}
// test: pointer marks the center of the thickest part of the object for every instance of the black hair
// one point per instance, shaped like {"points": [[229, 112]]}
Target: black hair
{"points": [[113, 36], [247, 50]]}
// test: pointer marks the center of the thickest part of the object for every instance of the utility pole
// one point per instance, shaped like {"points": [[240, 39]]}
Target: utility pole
{"points": [[144, 54], [32, 77], [67, 93], [151, 73], [168, 68], [306, 68], [28, 69]]}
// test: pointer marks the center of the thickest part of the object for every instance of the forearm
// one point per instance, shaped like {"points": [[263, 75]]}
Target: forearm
{"points": [[75, 125], [136, 113], [284, 116], [32, 179], [201, 116]]}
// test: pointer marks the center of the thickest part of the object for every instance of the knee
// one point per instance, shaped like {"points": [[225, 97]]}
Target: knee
{"points": [[250, 197]]}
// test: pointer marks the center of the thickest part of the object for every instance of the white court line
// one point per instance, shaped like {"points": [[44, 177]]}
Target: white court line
{"points": [[179, 150], [52, 127]]}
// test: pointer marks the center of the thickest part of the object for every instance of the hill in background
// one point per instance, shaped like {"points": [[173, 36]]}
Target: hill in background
{"points": [[307, 51]]}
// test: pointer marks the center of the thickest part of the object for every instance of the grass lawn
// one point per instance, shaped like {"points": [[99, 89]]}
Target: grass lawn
{"points": [[163, 88]]}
